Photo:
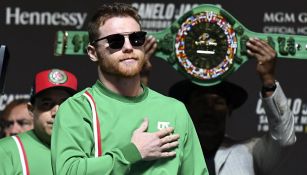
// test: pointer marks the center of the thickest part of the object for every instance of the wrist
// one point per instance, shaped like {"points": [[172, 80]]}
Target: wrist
{"points": [[268, 89], [131, 153], [267, 79]]}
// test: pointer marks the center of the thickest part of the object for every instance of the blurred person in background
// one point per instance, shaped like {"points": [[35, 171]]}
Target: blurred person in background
{"points": [[210, 106], [16, 118]]}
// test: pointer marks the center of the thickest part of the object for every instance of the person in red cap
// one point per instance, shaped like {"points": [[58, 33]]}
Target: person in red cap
{"points": [[29, 152]]}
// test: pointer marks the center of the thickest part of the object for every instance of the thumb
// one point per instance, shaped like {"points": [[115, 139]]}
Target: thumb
{"points": [[143, 126]]}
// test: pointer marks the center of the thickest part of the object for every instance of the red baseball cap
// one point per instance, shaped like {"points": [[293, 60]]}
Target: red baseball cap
{"points": [[54, 78]]}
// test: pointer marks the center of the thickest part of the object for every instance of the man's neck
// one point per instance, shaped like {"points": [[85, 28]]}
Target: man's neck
{"points": [[126, 86]]}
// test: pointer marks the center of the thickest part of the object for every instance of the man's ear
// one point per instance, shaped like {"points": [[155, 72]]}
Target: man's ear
{"points": [[92, 53], [30, 108]]}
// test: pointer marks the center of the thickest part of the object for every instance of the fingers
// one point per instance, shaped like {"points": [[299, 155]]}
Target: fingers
{"points": [[260, 50], [170, 145], [150, 46], [162, 133], [169, 138], [257, 47], [168, 154], [150, 42], [143, 126], [169, 142]]}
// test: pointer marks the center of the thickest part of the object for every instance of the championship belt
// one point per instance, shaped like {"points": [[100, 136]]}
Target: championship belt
{"points": [[206, 44]]}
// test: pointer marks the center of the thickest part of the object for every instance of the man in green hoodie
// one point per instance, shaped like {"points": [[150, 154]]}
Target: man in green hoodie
{"points": [[120, 126]]}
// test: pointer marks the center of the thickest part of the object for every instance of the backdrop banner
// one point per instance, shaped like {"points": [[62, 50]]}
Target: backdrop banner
{"points": [[28, 29]]}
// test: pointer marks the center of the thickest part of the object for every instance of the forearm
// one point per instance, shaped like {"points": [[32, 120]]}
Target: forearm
{"points": [[280, 117], [270, 150], [111, 163], [75, 156], [72, 147]]}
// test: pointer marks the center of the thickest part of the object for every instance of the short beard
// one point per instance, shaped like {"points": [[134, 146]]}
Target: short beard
{"points": [[116, 70]]}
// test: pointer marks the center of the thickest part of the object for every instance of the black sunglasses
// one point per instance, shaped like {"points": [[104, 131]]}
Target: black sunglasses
{"points": [[116, 41]]}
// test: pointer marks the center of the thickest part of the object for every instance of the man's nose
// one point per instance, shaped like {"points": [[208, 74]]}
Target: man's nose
{"points": [[127, 47], [15, 129]]}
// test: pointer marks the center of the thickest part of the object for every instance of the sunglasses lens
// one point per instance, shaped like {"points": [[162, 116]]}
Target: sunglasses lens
{"points": [[137, 38], [116, 41]]}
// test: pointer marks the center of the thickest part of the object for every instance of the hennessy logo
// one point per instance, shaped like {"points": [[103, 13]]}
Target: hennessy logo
{"points": [[162, 125], [17, 16]]}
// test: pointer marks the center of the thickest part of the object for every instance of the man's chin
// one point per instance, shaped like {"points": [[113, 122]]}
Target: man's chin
{"points": [[48, 132], [129, 72]]}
